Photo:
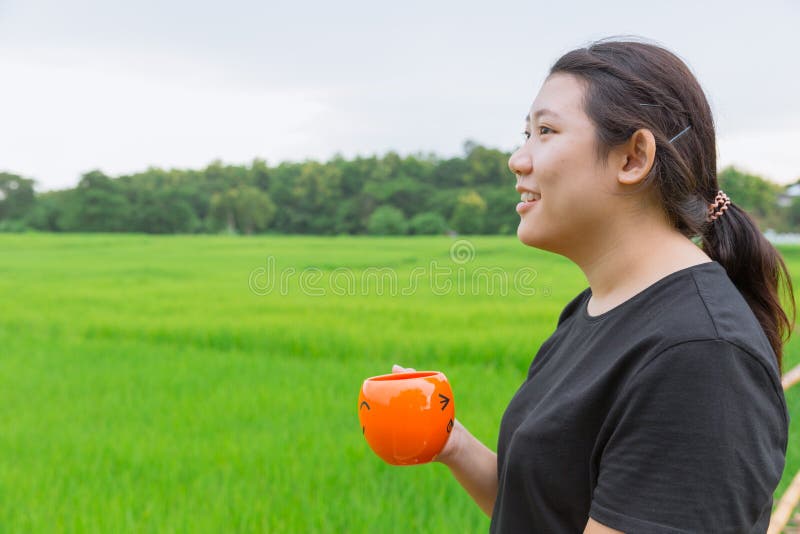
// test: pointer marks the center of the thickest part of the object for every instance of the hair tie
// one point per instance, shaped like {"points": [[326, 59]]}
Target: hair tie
{"points": [[718, 207]]}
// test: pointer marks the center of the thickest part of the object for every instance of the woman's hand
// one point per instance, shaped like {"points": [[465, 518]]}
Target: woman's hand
{"points": [[473, 465], [451, 447]]}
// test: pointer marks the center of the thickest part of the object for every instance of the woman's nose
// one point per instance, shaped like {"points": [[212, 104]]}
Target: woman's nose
{"points": [[520, 163]]}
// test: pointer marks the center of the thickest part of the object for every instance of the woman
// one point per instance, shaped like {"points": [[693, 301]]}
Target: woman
{"points": [[656, 405]]}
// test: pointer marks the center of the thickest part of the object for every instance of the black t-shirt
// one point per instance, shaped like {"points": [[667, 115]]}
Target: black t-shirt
{"points": [[665, 414]]}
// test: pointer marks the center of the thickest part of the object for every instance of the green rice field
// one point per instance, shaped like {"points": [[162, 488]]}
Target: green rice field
{"points": [[210, 383]]}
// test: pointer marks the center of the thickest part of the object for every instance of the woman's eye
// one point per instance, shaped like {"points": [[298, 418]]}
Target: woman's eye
{"points": [[526, 134], [544, 128]]}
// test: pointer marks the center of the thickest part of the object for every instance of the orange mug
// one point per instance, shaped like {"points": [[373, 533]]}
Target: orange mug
{"points": [[406, 418]]}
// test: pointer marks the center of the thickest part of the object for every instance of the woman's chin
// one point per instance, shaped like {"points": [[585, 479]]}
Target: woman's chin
{"points": [[533, 238], [527, 236]]}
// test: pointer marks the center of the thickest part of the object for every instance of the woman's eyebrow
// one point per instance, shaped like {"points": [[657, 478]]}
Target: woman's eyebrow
{"points": [[539, 112]]}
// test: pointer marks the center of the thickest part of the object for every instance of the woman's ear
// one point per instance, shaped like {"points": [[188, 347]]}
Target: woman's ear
{"points": [[637, 157]]}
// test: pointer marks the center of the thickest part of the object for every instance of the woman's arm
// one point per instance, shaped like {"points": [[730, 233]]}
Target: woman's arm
{"points": [[473, 465]]}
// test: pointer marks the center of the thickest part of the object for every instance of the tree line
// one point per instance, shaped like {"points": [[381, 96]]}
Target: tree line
{"points": [[389, 194]]}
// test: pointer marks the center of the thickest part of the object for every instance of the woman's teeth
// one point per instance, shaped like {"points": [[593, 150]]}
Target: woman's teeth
{"points": [[527, 196]]}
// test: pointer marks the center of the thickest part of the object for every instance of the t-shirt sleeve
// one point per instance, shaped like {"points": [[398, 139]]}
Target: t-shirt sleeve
{"points": [[697, 444]]}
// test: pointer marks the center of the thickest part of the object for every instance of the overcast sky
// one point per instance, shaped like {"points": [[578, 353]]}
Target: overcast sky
{"points": [[121, 86]]}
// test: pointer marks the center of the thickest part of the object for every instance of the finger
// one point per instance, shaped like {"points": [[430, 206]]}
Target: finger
{"points": [[398, 369]]}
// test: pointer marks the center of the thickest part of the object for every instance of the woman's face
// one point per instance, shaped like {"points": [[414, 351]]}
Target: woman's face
{"points": [[558, 163]]}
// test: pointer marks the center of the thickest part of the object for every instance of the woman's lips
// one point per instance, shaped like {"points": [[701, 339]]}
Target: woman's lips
{"points": [[522, 207]]}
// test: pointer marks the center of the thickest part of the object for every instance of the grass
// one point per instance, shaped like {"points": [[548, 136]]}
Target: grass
{"points": [[160, 384]]}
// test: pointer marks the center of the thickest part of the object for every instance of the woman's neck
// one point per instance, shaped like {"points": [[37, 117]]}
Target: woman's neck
{"points": [[629, 264]]}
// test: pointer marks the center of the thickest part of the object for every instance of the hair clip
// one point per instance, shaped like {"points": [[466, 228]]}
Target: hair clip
{"points": [[680, 134]]}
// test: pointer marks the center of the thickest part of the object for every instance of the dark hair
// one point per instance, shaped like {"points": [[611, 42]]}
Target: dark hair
{"points": [[632, 85]]}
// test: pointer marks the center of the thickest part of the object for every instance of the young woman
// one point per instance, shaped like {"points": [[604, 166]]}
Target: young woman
{"points": [[656, 405]]}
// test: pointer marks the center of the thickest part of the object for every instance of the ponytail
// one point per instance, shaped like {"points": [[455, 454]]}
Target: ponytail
{"points": [[757, 270]]}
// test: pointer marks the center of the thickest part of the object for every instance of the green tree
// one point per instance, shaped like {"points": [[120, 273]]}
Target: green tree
{"points": [[469, 214], [260, 174], [221, 177], [405, 193], [307, 196], [486, 166], [16, 196], [387, 220], [501, 217], [428, 223], [793, 214], [48, 210], [244, 209], [451, 173], [162, 212], [96, 205]]}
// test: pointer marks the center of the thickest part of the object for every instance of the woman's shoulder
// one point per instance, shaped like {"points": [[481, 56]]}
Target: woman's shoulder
{"points": [[729, 314], [706, 317], [694, 304]]}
